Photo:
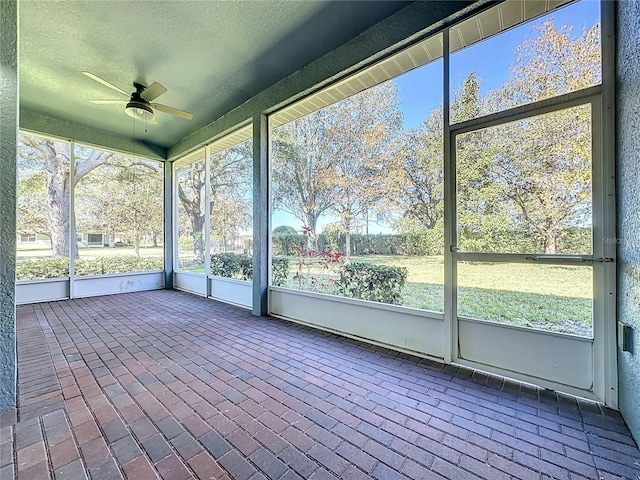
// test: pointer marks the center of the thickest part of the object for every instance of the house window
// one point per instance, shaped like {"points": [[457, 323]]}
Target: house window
{"points": [[94, 238], [29, 238]]}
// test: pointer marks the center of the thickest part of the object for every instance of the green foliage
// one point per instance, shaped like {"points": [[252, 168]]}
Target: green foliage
{"points": [[232, 265], [378, 283], [59, 267], [225, 265], [284, 244], [576, 241], [279, 270], [430, 242], [284, 230], [246, 267], [111, 265], [39, 269]]}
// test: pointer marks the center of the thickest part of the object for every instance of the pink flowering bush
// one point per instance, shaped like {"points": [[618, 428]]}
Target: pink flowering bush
{"points": [[316, 271]]}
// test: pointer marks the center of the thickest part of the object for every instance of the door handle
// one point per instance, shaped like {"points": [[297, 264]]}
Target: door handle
{"points": [[570, 258], [565, 258]]}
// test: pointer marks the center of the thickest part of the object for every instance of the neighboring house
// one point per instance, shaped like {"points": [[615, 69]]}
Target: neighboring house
{"points": [[99, 239], [33, 241]]}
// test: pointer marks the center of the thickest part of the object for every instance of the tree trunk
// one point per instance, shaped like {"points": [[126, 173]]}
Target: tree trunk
{"points": [[59, 229], [197, 222], [136, 244], [57, 164], [550, 237], [58, 218], [550, 246], [312, 238]]}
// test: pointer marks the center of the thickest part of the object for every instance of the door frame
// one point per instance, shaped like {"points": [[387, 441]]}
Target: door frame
{"points": [[603, 379]]}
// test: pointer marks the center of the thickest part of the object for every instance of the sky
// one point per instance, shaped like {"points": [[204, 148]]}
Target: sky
{"points": [[490, 60], [421, 89]]}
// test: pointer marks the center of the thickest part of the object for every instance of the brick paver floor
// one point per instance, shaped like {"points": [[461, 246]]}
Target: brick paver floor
{"points": [[168, 385]]}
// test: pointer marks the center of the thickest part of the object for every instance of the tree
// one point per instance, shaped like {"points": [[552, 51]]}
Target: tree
{"points": [[552, 62], [334, 159], [230, 202], [55, 157], [479, 216], [284, 230], [191, 181], [231, 214], [419, 160], [302, 166], [543, 163], [544, 172], [367, 125], [32, 218], [122, 196], [231, 192]]}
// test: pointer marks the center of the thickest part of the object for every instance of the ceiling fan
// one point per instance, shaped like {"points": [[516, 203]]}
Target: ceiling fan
{"points": [[140, 104]]}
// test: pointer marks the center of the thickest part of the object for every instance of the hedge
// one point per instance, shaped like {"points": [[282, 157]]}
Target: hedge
{"points": [[431, 242], [424, 243], [367, 281], [59, 267], [232, 265]]}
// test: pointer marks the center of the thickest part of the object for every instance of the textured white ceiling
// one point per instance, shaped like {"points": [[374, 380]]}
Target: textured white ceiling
{"points": [[211, 55]]}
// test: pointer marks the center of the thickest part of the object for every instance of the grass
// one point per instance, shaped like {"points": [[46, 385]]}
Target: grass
{"points": [[549, 297], [95, 252]]}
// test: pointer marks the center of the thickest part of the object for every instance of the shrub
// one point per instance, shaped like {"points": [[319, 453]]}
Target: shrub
{"points": [[245, 265], [40, 269], [232, 265], [279, 270], [429, 242], [185, 244], [283, 244], [110, 265], [378, 283], [284, 230], [225, 265], [59, 267]]}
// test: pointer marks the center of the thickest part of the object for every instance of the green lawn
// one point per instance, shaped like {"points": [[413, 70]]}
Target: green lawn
{"points": [[550, 297], [95, 252]]}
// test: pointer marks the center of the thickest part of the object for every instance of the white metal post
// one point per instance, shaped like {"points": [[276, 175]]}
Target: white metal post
{"points": [[207, 219], [261, 219], [73, 242], [168, 231], [607, 113], [450, 322]]}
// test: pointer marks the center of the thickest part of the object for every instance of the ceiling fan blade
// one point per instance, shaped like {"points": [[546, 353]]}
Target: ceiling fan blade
{"points": [[105, 83], [108, 102], [172, 111], [153, 91]]}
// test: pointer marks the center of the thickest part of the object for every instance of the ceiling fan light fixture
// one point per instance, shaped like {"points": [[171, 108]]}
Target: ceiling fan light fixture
{"points": [[139, 110]]}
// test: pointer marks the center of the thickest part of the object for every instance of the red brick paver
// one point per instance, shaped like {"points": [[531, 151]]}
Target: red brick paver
{"points": [[164, 384]]}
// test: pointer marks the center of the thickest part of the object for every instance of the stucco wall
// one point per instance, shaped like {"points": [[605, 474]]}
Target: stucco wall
{"points": [[628, 204], [8, 142]]}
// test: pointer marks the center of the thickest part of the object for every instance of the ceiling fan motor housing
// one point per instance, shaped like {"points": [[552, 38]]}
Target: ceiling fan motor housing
{"points": [[139, 107]]}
